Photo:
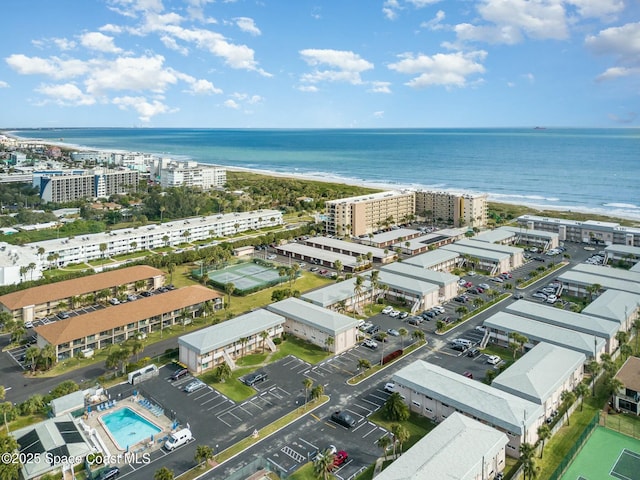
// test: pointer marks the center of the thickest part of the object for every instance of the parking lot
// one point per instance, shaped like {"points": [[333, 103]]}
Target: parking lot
{"points": [[321, 432]]}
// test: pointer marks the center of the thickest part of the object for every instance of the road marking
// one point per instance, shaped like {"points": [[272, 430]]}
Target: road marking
{"points": [[310, 444], [330, 425], [372, 403], [218, 404], [293, 454], [370, 432], [316, 417]]}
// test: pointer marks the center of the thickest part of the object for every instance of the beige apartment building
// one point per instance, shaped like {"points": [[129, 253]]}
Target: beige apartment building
{"points": [[457, 209], [366, 214]]}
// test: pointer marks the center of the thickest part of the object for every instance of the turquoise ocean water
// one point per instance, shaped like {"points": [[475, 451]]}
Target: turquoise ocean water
{"points": [[593, 170]]}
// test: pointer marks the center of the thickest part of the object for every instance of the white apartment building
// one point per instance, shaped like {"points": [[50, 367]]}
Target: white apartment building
{"points": [[170, 173], [59, 186], [459, 209]]}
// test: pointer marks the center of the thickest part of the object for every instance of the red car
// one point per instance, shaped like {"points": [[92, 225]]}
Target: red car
{"points": [[339, 458], [468, 375], [468, 284]]}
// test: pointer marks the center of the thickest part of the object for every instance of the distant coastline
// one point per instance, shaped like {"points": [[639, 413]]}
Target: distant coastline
{"points": [[338, 159]]}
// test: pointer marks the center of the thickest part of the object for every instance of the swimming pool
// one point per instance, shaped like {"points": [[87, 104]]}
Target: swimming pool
{"points": [[127, 428]]}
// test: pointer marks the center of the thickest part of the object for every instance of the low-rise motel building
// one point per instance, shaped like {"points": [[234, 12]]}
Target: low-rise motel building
{"points": [[115, 324], [317, 325], [438, 393], [542, 374], [39, 302], [460, 448], [628, 397], [227, 341]]}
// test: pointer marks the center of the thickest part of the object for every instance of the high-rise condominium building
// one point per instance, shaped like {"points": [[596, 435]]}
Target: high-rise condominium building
{"points": [[367, 213], [60, 186], [454, 208]]}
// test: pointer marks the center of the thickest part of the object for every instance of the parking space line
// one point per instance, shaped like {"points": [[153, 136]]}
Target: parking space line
{"points": [[310, 444], [282, 469], [293, 454], [244, 409], [356, 429], [363, 407], [369, 401], [210, 400], [224, 422], [384, 399], [283, 390], [205, 394], [370, 432], [218, 404]]}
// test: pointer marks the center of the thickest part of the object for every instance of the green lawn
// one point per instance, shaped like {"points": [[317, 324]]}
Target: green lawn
{"points": [[417, 425], [232, 387], [299, 348]]}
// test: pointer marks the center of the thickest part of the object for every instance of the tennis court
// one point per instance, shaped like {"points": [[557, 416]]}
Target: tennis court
{"points": [[606, 455], [245, 276]]}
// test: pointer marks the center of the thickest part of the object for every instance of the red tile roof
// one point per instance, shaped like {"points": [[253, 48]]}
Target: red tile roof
{"points": [[93, 323], [77, 286]]}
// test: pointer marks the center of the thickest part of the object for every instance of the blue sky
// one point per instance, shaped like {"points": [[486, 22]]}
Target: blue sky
{"points": [[320, 64]]}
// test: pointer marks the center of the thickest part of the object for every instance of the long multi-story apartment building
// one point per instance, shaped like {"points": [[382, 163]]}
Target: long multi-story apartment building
{"points": [[61, 186], [367, 213], [191, 174], [458, 209], [590, 231]]}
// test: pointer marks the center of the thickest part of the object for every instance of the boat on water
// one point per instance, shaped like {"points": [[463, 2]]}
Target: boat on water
{"points": [[539, 128]]}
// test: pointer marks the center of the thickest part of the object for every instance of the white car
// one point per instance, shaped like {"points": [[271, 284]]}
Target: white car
{"points": [[365, 326], [484, 286], [439, 308], [271, 257], [394, 314], [387, 310], [471, 273], [493, 359], [370, 344], [552, 299], [390, 387], [539, 295]]}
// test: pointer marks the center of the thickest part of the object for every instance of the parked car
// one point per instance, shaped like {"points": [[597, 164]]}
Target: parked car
{"points": [[415, 321], [387, 310], [518, 296], [540, 295], [194, 386], [393, 332], [114, 301], [468, 375], [390, 387], [459, 347], [343, 418], [109, 472], [493, 359], [394, 314], [473, 352], [257, 377], [146, 294], [131, 298], [339, 458], [403, 315], [63, 315], [365, 326], [484, 286], [373, 329], [370, 344], [178, 374]]}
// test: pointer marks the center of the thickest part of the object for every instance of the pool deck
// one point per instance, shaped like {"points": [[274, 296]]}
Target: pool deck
{"points": [[164, 423]]}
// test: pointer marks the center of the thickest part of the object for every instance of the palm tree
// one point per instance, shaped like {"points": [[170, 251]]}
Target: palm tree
{"points": [[418, 335], [544, 433], [594, 367], [400, 434], [162, 210], [592, 290], [567, 397], [614, 385], [163, 474], [31, 355], [48, 354], [171, 268], [383, 443], [338, 266], [136, 347], [382, 336], [103, 248], [317, 391], [307, 383], [323, 464], [394, 409], [357, 291], [203, 453], [229, 288], [293, 273], [462, 310], [264, 335], [364, 364], [527, 452], [243, 343], [329, 341], [403, 333], [581, 390]]}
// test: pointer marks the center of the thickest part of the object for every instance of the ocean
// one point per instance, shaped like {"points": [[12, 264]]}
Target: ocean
{"points": [[585, 170]]}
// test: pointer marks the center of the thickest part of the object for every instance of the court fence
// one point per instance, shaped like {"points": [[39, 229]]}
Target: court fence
{"points": [[575, 448], [624, 423]]}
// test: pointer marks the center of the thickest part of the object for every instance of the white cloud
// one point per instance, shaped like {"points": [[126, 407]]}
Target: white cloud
{"points": [[509, 21], [308, 88], [131, 73], [247, 24], [343, 66], [447, 69], [436, 22], [604, 9], [391, 8], [53, 67], [511, 84], [171, 44], [378, 114], [614, 73], [380, 87], [111, 28], [529, 76], [66, 94], [623, 43], [236, 56], [231, 104], [64, 44], [3, 84], [145, 109], [99, 41], [203, 87]]}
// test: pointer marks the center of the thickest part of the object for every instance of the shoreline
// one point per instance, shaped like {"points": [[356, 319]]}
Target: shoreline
{"points": [[532, 205]]}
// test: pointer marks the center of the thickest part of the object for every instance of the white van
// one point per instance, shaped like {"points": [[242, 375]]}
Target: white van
{"points": [[462, 341], [178, 439]]}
